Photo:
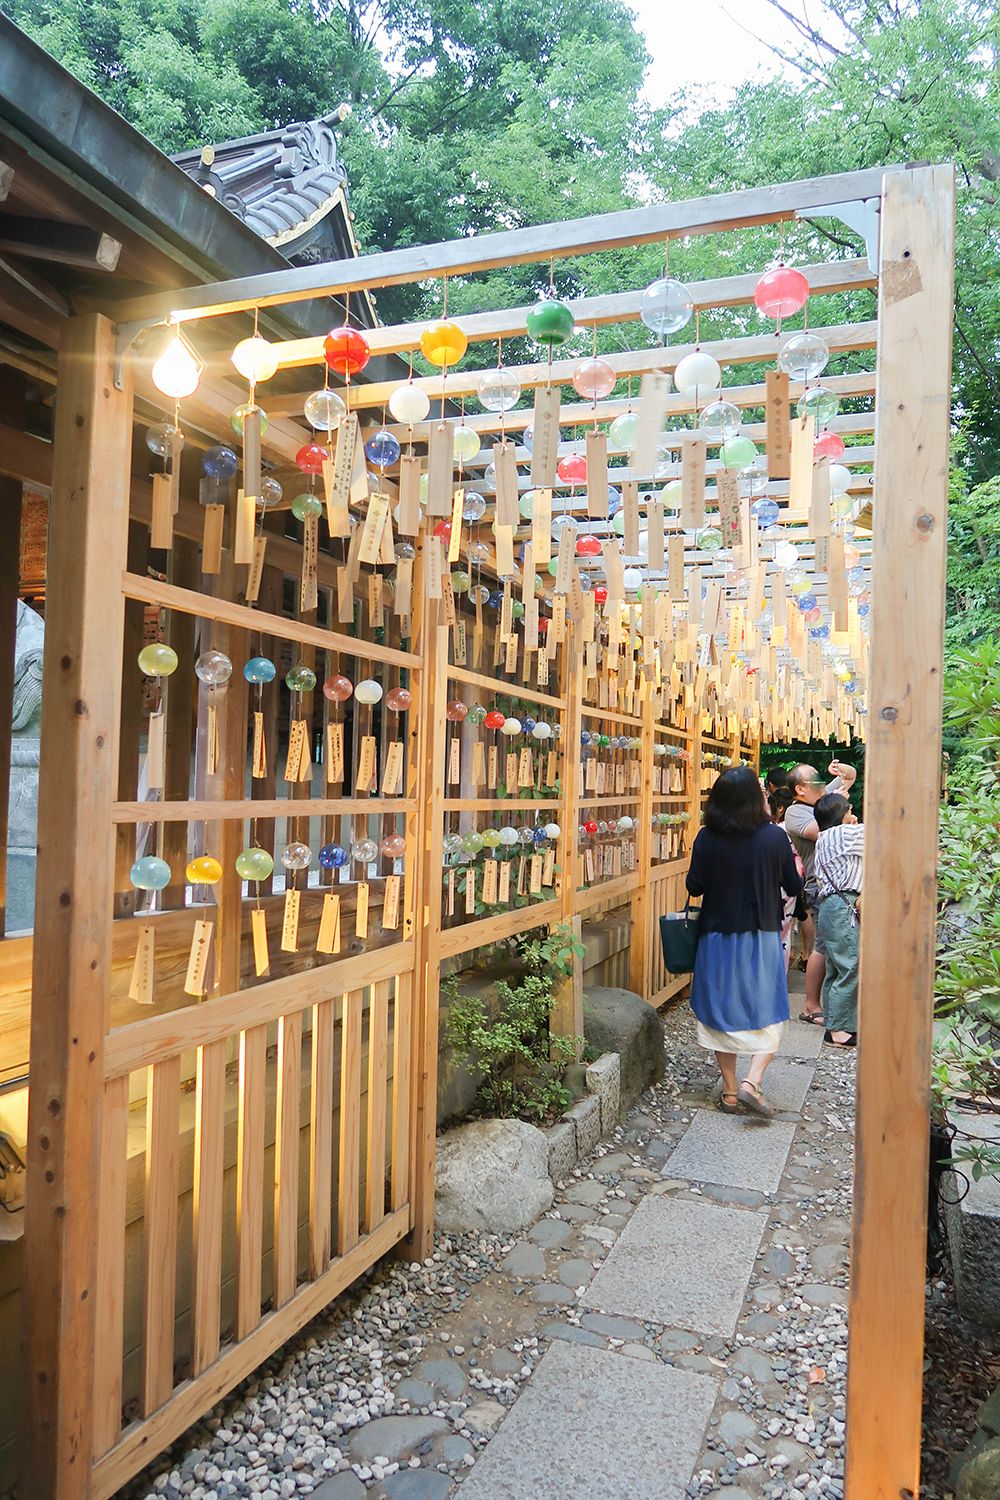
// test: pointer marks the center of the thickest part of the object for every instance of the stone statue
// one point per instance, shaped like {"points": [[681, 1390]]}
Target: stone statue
{"points": [[22, 821]]}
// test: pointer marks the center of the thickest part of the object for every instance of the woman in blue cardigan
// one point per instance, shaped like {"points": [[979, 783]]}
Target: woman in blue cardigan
{"points": [[742, 867]]}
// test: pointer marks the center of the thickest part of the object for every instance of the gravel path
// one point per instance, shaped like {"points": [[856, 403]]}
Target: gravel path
{"points": [[393, 1395]]}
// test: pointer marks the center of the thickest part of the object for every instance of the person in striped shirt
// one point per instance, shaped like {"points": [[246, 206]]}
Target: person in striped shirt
{"points": [[839, 872]]}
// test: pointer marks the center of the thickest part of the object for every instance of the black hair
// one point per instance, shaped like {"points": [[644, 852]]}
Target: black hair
{"points": [[776, 777], [830, 810], [736, 804], [779, 801]]}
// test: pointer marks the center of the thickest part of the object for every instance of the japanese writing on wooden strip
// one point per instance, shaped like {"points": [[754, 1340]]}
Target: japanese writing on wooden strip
{"points": [[256, 571], [728, 485], [390, 903], [140, 989], [597, 474], [371, 532], [545, 443], [290, 923], [366, 764], [308, 590], [779, 457], [392, 771], [693, 483], [201, 942]]}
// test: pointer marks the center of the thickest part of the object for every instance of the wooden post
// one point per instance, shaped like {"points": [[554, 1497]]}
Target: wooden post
{"points": [[10, 574], [431, 643], [901, 798], [567, 1014], [75, 891], [640, 938]]}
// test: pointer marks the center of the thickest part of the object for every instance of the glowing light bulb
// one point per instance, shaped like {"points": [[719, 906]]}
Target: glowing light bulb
{"points": [[177, 370], [255, 358]]}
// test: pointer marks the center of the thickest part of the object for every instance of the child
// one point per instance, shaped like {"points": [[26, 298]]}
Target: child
{"points": [[793, 907], [839, 870]]}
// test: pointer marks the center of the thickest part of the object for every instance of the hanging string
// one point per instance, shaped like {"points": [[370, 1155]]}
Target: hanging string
{"points": [[444, 315]]}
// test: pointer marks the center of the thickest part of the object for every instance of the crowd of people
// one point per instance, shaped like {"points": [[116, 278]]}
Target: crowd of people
{"points": [[771, 856]]}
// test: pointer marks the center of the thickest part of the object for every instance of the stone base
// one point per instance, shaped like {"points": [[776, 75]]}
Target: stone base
{"points": [[974, 1236], [619, 1021]]}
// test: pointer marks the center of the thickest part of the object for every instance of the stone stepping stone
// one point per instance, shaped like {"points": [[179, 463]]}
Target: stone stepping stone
{"points": [[733, 1151], [416, 1484], [683, 1264], [786, 1081], [801, 1039], [445, 1375], [551, 1234], [574, 1273], [341, 1487], [587, 1193], [394, 1438], [524, 1262], [592, 1424], [616, 1163]]}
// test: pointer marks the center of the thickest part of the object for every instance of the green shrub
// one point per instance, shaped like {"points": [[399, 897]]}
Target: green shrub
{"points": [[966, 1072], [520, 1061]]}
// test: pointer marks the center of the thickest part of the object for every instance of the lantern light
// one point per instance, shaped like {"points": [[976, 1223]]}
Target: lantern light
{"points": [[177, 370], [255, 358]]}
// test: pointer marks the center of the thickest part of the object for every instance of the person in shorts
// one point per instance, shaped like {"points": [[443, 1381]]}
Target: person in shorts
{"points": [[807, 787], [839, 871]]}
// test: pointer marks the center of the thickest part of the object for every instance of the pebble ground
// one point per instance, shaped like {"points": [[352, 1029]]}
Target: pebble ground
{"points": [[396, 1390]]}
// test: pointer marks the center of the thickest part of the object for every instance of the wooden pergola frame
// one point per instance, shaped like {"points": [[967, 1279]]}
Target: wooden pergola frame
{"points": [[79, 1070]]}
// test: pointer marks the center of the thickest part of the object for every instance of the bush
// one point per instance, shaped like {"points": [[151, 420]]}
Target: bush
{"points": [[521, 1062], [967, 991]]}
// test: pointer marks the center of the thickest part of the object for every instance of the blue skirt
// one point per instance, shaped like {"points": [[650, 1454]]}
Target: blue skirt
{"points": [[739, 981]]}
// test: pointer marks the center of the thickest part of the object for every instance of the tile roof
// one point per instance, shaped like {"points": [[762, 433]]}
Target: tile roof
{"points": [[283, 184]]}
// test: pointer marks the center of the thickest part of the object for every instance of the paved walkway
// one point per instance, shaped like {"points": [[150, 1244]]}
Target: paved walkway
{"points": [[706, 1350], [675, 1326]]}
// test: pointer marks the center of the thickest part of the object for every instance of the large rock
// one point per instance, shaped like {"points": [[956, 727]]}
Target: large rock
{"points": [[619, 1021], [980, 1477], [492, 1175]]}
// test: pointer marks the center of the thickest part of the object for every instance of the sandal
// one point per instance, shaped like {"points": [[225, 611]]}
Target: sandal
{"points": [[729, 1109], [812, 1017], [852, 1039], [752, 1099]]}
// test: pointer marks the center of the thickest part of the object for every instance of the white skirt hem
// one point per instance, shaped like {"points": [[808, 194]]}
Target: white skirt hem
{"points": [[764, 1039]]}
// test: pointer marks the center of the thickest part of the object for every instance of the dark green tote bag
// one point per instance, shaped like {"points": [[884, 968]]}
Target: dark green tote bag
{"points": [[679, 938]]}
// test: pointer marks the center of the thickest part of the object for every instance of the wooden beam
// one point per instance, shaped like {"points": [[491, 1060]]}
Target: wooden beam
{"points": [[756, 348], [24, 457], [589, 312], [71, 960], [61, 244], [514, 247], [901, 800]]}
